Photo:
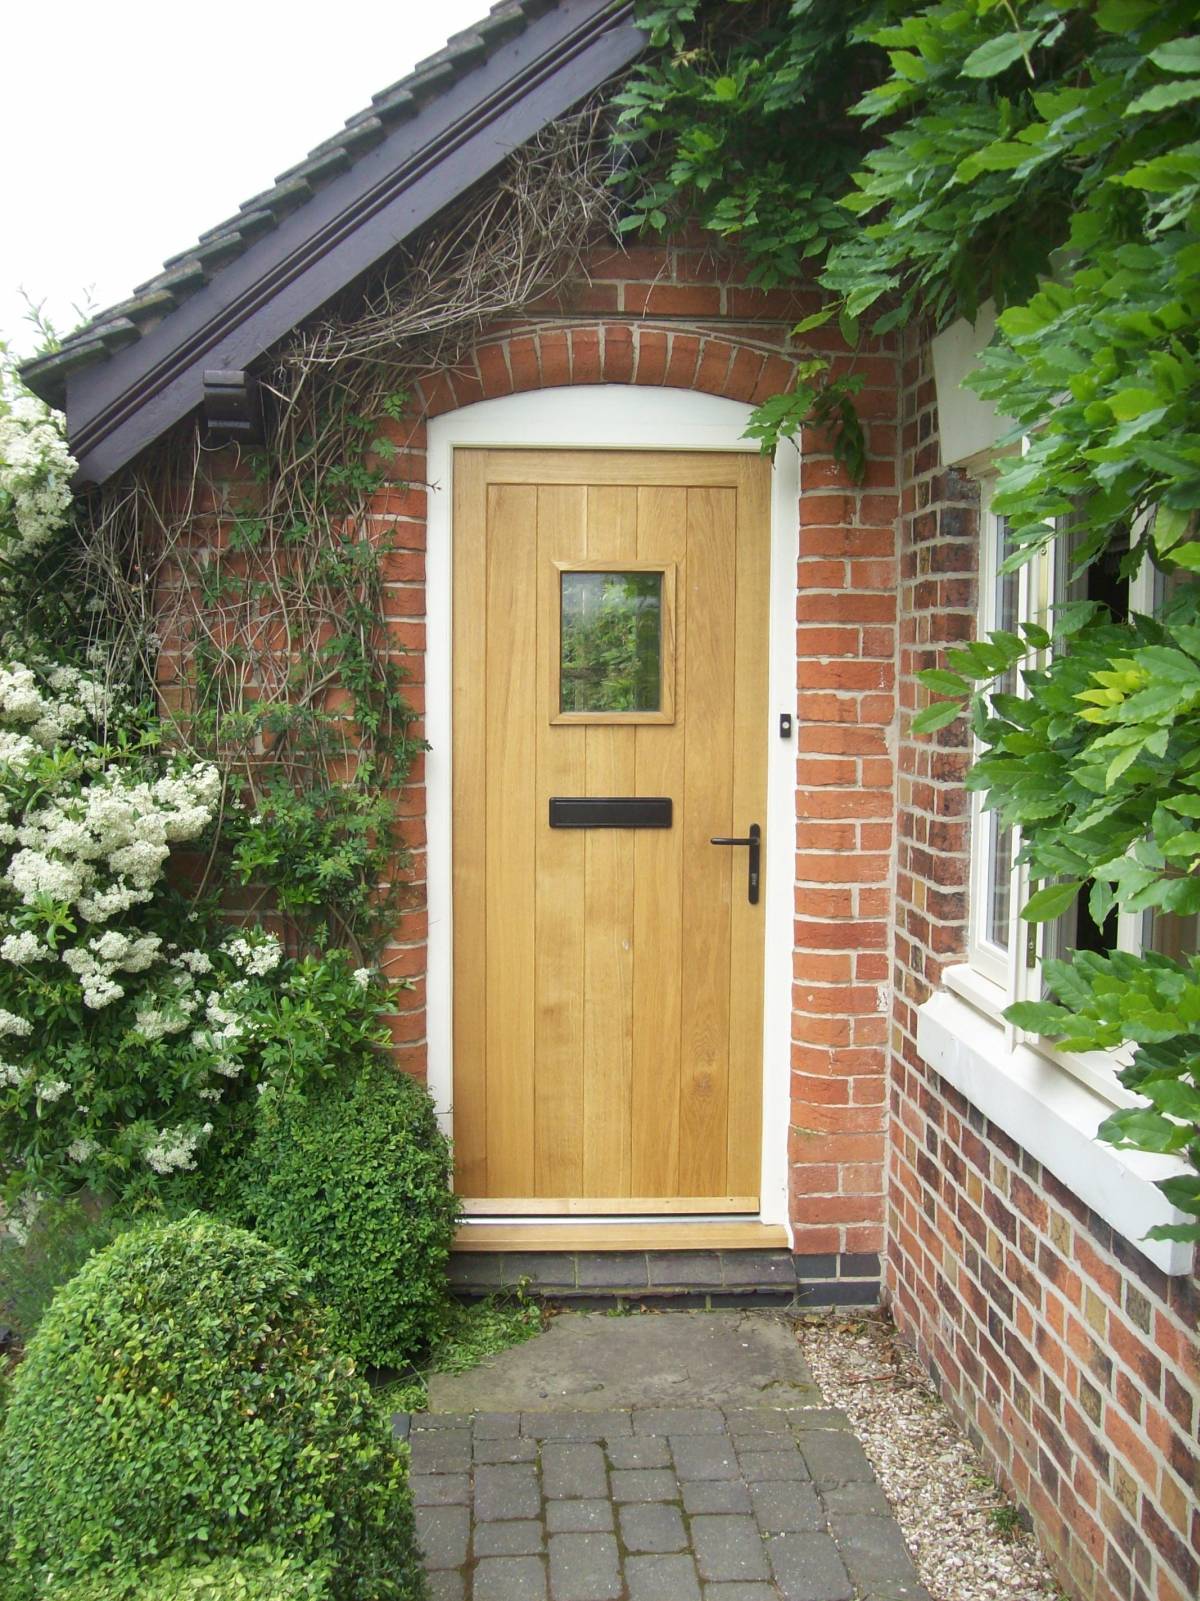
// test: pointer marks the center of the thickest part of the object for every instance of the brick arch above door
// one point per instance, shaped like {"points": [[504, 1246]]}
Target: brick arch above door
{"points": [[661, 355]]}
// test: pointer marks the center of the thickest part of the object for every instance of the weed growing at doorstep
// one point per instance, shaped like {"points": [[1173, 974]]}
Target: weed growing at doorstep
{"points": [[473, 1333]]}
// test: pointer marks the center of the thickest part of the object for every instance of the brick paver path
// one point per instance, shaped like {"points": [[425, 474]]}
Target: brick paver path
{"points": [[653, 1504]]}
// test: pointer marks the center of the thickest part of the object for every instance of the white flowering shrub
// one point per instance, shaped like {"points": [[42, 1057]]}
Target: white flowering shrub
{"points": [[134, 1028], [36, 469]]}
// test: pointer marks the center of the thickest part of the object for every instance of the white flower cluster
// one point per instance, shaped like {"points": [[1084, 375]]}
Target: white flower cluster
{"points": [[36, 469], [37, 716], [18, 1222], [109, 953], [174, 1149], [256, 957], [10, 1023], [101, 849], [20, 949]]}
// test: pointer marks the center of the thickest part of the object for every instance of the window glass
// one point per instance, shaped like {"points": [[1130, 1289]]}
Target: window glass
{"points": [[999, 878], [1005, 615], [611, 642]]}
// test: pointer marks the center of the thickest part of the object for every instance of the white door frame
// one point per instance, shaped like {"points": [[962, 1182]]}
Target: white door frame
{"points": [[622, 417]]}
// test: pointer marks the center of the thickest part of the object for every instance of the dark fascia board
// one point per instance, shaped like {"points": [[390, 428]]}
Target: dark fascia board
{"points": [[117, 408]]}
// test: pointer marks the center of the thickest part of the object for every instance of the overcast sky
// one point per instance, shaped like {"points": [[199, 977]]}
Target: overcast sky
{"points": [[131, 126]]}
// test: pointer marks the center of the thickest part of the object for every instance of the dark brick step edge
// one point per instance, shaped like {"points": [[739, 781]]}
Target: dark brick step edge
{"points": [[590, 1280]]}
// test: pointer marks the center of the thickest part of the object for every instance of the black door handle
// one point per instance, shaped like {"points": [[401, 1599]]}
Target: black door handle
{"points": [[754, 841]]}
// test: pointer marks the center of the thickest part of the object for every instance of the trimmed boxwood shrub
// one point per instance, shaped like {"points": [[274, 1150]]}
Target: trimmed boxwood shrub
{"points": [[352, 1179], [180, 1401], [260, 1575]]}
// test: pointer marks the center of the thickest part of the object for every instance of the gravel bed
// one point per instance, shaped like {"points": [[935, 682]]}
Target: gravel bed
{"points": [[960, 1528]]}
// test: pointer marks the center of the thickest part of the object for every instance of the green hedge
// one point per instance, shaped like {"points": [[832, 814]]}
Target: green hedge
{"points": [[352, 1180], [180, 1401], [260, 1575]]}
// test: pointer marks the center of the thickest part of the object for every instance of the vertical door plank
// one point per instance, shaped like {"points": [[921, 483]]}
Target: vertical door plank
{"points": [[710, 872], [750, 716], [559, 978], [658, 884], [512, 704], [608, 961], [468, 822]]}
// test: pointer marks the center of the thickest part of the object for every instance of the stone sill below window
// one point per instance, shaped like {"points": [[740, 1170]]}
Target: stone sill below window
{"points": [[1053, 1115]]}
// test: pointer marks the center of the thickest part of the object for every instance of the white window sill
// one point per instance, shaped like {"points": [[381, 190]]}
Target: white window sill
{"points": [[1053, 1115]]}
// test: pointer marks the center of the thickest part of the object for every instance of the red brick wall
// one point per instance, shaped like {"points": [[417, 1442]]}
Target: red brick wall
{"points": [[1071, 1359], [683, 317]]}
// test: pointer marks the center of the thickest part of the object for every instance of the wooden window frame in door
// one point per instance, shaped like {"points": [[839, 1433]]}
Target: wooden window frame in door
{"points": [[666, 649]]}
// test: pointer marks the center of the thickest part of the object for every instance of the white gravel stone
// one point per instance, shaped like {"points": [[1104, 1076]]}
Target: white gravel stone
{"points": [[944, 1500]]}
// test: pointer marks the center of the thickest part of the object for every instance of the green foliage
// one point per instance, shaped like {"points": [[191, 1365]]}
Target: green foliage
{"points": [[471, 1334], [180, 1402], [720, 128], [352, 1178], [1042, 155], [296, 685], [322, 853], [65, 1234], [261, 1574]]}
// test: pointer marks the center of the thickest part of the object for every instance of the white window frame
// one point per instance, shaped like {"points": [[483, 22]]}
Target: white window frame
{"points": [[1050, 1101]]}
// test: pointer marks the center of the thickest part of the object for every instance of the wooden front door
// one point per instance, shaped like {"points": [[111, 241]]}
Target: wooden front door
{"points": [[610, 642]]}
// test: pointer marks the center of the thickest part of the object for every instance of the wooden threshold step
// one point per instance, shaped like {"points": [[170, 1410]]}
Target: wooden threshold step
{"points": [[571, 1236]]}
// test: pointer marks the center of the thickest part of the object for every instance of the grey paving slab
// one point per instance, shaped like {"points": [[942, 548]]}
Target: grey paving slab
{"points": [[496, 1425], [584, 1567], [588, 1362], [875, 1555], [441, 1489], [510, 1579], [835, 1458], [729, 1547], [574, 1425], [756, 1420], [704, 1456], [758, 1465], [573, 1470], [653, 1526], [781, 1440], [579, 1517], [662, 1578], [816, 1417], [640, 1451], [783, 1507], [740, 1592], [645, 1484], [520, 1538], [807, 1567], [510, 1448], [442, 1534], [507, 1490], [679, 1420], [441, 1451], [652, 1476], [843, 1498], [716, 1495]]}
